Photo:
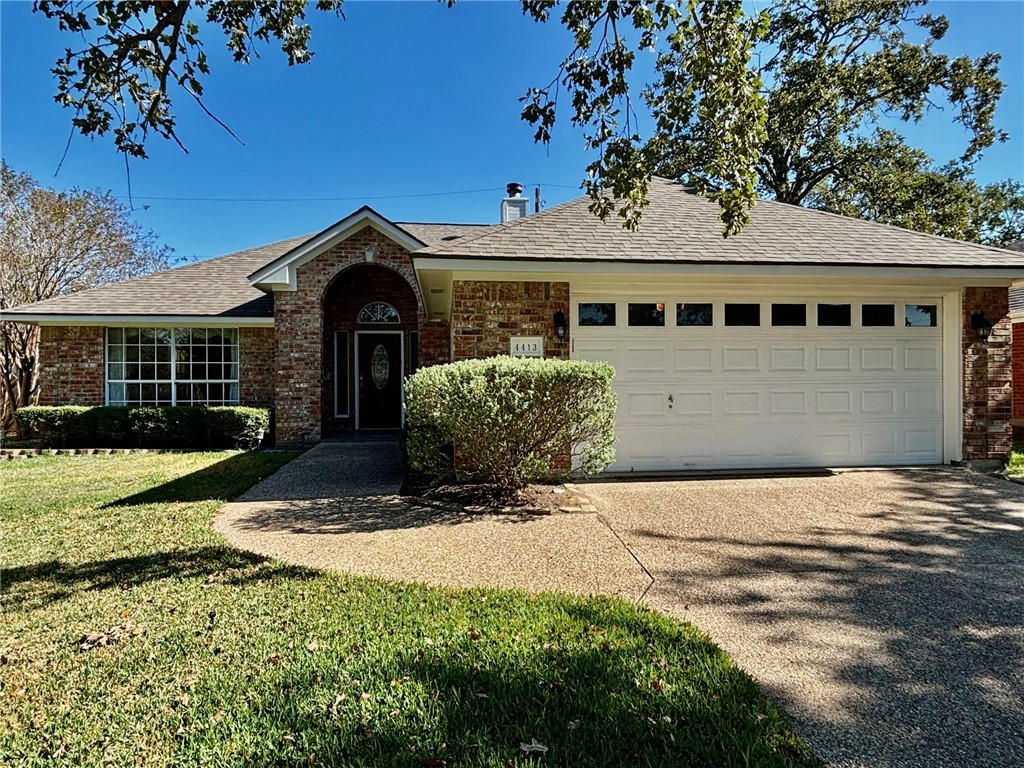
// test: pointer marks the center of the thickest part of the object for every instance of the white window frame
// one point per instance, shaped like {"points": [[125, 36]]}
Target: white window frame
{"points": [[173, 380]]}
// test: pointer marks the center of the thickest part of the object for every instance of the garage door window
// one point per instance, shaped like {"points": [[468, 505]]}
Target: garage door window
{"points": [[743, 314], [789, 314], [597, 314], [695, 314], [922, 315], [875, 315], [647, 314], [830, 315]]}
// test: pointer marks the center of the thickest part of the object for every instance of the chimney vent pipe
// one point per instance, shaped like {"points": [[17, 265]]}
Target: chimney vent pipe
{"points": [[514, 189]]}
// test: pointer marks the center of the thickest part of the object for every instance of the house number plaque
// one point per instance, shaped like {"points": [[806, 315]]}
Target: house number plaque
{"points": [[526, 346]]}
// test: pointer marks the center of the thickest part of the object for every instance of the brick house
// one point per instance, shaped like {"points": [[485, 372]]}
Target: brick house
{"points": [[809, 340], [1017, 320]]}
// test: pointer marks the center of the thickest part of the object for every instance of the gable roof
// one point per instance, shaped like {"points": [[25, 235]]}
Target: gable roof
{"points": [[681, 226], [213, 288]]}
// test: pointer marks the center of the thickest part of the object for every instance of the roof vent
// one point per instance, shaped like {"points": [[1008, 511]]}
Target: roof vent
{"points": [[515, 206]]}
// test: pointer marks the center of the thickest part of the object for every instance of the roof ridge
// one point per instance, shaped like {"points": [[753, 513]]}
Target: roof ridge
{"points": [[505, 226]]}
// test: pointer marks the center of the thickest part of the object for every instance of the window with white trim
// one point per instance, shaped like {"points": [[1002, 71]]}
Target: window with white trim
{"points": [[378, 312], [172, 366]]}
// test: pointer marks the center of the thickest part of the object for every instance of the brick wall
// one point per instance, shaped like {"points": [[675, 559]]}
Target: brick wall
{"points": [[485, 314], [1018, 370], [299, 329], [435, 343], [71, 365], [256, 366], [987, 377]]}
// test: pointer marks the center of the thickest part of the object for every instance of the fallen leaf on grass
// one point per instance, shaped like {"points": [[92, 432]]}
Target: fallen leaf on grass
{"points": [[92, 640], [533, 746]]}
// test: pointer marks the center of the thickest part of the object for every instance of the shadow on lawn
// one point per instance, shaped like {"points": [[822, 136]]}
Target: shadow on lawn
{"points": [[34, 586], [589, 704], [906, 602], [222, 481]]}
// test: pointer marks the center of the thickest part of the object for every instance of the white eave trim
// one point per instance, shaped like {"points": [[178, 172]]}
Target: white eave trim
{"points": [[1004, 276], [162, 321], [281, 274]]}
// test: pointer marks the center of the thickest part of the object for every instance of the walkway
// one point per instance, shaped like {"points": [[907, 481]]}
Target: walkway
{"points": [[338, 507]]}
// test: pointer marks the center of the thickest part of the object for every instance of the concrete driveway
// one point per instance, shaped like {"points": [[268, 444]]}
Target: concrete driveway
{"points": [[884, 609]]}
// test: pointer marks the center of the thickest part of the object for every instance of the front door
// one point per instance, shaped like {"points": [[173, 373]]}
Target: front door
{"points": [[379, 361]]}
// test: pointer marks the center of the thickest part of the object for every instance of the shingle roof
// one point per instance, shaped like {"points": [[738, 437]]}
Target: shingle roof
{"points": [[217, 287], [681, 226]]}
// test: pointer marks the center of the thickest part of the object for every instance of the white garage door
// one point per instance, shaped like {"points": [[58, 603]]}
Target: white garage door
{"points": [[719, 384]]}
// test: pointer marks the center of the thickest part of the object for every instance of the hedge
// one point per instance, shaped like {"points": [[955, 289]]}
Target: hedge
{"points": [[510, 421], [114, 426]]}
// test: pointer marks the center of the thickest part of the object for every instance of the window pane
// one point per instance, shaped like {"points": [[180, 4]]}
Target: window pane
{"points": [[148, 393], [115, 335], [230, 334], [695, 314], [132, 393], [162, 336], [214, 354], [163, 371], [743, 314], [148, 371], [131, 372], [873, 315], [163, 393], [197, 353], [789, 314], [233, 393], [647, 314], [115, 354], [230, 354], [131, 354], [115, 394], [115, 371], [131, 335], [147, 335], [184, 394], [834, 314], [600, 314], [922, 315], [147, 353]]}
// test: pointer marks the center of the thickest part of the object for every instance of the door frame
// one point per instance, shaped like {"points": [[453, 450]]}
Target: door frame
{"points": [[401, 370]]}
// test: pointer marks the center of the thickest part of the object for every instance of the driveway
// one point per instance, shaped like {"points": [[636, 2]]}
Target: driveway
{"points": [[884, 609]]}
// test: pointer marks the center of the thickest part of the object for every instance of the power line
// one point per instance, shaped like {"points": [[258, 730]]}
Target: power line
{"points": [[326, 199]]}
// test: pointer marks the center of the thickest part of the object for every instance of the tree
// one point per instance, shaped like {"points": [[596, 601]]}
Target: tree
{"points": [[837, 74], [900, 185], [136, 53], [830, 74], [53, 243]]}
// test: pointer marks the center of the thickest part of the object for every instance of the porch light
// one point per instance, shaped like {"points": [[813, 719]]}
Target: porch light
{"points": [[981, 325], [561, 326], [369, 253]]}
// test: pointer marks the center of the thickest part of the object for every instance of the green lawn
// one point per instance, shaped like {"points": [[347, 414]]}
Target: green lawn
{"points": [[132, 635]]}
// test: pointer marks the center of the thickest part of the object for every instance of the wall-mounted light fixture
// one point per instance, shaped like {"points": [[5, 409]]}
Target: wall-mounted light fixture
{"points": [[369, 253], [981, 325], [561, 326]]}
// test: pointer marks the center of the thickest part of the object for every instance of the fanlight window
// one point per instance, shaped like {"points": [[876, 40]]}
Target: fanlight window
{"points": [[378, 312]]}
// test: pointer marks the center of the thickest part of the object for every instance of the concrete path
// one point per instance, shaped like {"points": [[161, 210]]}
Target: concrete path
{"points": [[885, 610], [337, 507]]}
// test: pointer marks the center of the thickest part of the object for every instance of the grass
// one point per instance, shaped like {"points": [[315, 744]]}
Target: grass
{"points": [[133, 636]]}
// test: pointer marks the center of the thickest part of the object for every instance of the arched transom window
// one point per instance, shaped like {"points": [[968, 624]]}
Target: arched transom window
{"points": [[378, 312]]}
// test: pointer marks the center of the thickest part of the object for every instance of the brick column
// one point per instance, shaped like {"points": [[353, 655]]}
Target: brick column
{"points": [[71, 365], [987, 377], [256, 366], [1018, 371]]}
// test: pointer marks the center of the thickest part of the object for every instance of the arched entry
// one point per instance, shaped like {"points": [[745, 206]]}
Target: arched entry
{"points": [[370, 319]]}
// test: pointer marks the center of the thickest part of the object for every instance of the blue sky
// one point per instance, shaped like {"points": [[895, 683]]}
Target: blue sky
{"points": [[402, 99]]}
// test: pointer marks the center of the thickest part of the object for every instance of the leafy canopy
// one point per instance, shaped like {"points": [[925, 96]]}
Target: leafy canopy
{"points": [[781, 103]]}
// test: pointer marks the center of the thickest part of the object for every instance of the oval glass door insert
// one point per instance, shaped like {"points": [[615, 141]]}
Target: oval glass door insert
{"points": [[379, 366]]}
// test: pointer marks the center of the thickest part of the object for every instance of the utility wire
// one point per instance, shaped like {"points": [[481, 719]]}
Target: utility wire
{"points": [[327, 199]]}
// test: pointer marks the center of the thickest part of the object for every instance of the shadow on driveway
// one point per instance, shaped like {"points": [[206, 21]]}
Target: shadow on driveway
{"points": [[884, 609]]}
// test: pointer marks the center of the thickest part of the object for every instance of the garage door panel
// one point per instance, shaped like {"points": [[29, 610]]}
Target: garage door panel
{"points": [[726, 397]]}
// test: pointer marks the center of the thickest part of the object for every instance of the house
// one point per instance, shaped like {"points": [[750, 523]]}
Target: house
{"points": [[1017, 319], [810, 339]]}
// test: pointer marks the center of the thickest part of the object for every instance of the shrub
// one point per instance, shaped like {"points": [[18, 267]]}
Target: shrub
{"points": [[510, 421], [144, 426]]}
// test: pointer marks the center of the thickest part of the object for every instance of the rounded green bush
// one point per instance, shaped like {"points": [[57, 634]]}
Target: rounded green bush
{"points": [[511, 421]]}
